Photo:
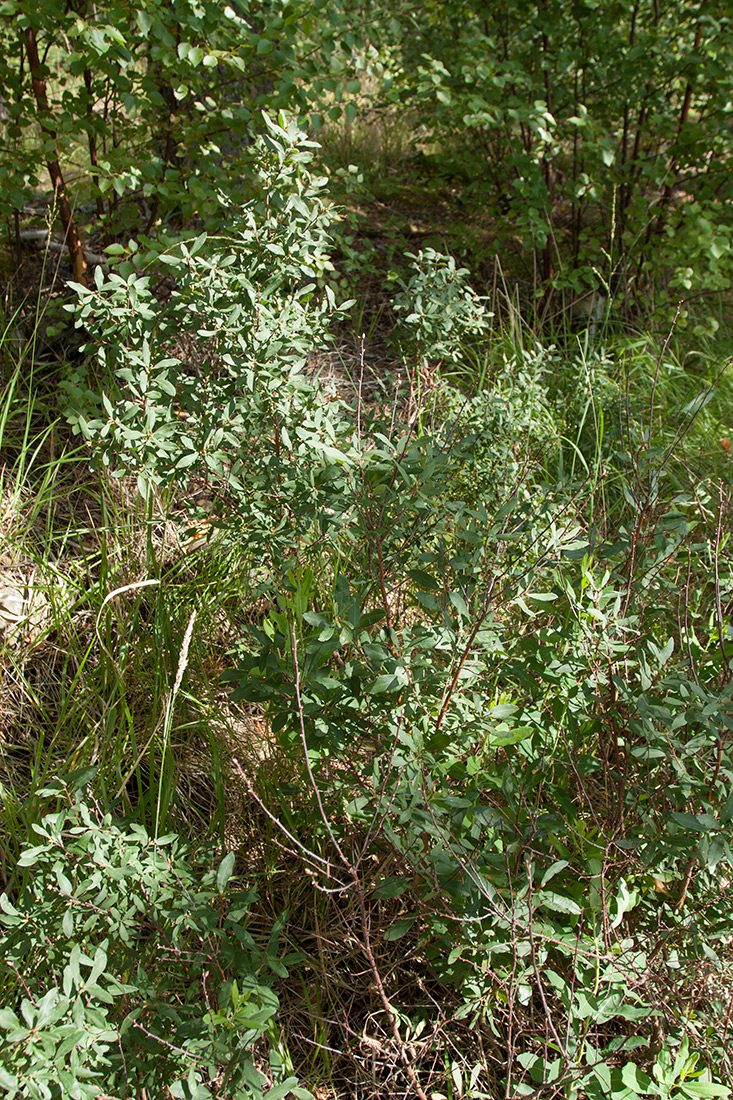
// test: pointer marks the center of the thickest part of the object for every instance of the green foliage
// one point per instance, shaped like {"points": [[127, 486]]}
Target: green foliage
{"points": [[594, 136], [593, 133], [470, 660], [437, 310], [485, 628], [164, 97], [127, 965], [255, 303]]}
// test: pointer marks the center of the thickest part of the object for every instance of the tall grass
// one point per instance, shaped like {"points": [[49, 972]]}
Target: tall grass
{"points": [[115, 661]]}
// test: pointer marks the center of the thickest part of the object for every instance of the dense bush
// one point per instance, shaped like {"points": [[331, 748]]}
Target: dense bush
{"points": [[484, 626], [474, 668], [596, 135], [134, 963], [160, 103]]}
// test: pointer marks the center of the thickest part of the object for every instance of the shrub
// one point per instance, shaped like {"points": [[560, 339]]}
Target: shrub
{"points": [[127, 965], [467, 681]]}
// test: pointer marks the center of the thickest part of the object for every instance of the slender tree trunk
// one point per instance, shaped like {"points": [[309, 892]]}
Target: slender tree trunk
{"points": [[73, 241], [548, 168], [683, 117], [92, 140]]}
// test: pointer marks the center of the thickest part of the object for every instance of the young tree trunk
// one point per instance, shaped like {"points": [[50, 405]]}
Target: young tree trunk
{"points": [[675, 167], [92, 142], [73, 241]]}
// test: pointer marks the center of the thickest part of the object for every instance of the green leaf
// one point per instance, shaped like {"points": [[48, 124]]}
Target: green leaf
{"points": [[46, 1007], [519, 733], [704, 1088], [726, 813], [553, 870], [503, 710], [276, 966], [7, 1080], [7, 906], [388, 682], [635, 1079], [715, 853], [30, 855], [283, 1089], [224, 873], [391, 888], [399, 929], [186, 461], [701, 823], [67, 924], [459, 603], [557, 903], [100, 962], [423, 580], [8, 1019]]}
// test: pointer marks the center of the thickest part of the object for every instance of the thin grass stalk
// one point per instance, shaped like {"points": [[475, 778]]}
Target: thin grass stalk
{"points": [[168, 717]]}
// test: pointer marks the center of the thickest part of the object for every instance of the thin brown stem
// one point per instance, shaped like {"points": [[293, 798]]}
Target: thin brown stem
{"points": [[353, 870], [718, 602], [362, 340], [92, 142], [71, 233]]}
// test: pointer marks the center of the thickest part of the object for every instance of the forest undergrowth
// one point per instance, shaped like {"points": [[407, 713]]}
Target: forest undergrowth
{"points": [[365, 676]]}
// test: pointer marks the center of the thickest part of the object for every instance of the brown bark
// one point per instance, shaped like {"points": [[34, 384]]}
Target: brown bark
{"points": [[73, 240]]}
